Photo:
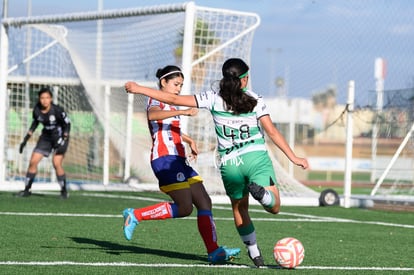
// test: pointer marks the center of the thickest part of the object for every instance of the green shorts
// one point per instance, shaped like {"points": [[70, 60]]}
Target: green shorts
{"points": [[238, 172]]}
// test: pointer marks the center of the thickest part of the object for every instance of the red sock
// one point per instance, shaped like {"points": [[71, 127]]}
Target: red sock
{"points": [[207, 230], [157, 211]]}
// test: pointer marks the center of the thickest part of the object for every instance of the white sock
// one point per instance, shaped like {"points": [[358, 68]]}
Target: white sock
{"points": [[251, 244], [268, 199], [253, 250]]}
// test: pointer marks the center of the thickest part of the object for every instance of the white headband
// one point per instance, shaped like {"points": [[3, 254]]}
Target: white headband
{"points": [[173, 72]]}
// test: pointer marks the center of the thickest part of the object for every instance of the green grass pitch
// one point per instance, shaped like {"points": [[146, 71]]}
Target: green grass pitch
{"points": [[43, 234]]}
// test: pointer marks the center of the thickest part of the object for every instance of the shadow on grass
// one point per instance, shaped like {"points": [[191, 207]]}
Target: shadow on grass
{"points": [[115, 248], [18, 195]]}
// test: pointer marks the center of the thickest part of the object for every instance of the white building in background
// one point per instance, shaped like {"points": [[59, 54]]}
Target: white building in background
{"points": [[291, 110], [294, 117]]}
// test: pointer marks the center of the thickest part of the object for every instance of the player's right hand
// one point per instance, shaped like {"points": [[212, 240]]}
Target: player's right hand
{"points": [[23, 144]]}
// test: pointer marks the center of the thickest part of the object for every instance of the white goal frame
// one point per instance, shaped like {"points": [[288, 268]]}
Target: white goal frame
{"points": [[4, 70], [209, 59], [190, 10]]}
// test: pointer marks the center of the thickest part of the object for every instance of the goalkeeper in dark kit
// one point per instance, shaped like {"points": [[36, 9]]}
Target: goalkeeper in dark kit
{"points": [[54, 138]]}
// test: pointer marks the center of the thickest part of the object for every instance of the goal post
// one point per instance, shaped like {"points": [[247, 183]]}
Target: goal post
{"points": [[87, 57], [70, 51], [4, 45], [392, 162]]}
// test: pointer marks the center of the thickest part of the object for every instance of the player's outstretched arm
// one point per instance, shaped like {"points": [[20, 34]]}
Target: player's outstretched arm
{"points": [[155, 113], [172, 99], [280, 141]]}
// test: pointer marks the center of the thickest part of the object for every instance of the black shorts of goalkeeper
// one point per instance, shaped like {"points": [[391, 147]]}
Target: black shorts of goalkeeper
{"points": [[45, 145]]}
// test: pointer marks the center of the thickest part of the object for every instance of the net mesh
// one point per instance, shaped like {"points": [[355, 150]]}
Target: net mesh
{"points": [[87, 62], [395, 128]]}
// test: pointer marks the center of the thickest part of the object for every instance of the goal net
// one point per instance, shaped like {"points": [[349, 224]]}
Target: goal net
{"points": [[87, 57], [393, 174]]}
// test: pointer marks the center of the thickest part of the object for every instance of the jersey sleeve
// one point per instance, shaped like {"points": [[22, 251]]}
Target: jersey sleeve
{"points": [[65, 121], [205, 100], [154, 103], [261, 108], [35, 122]]}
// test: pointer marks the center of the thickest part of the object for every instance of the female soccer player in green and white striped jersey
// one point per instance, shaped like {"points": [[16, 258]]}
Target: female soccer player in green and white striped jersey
{"points": [[239, 116]]}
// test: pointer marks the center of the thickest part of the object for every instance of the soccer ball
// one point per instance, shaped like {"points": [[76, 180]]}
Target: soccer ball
{"points": [[289, 252]]}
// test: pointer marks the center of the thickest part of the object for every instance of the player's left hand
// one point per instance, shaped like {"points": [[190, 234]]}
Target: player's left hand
{"points": [[302, 162], [192, 157], [191, 112], [194, 151], [61, 141]]}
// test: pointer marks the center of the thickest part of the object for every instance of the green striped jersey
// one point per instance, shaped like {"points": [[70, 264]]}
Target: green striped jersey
{"points": [[236, 134]]}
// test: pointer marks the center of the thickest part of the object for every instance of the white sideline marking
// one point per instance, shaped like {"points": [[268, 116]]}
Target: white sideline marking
{"points": [[304, 217], [120, 216], [126, 264], [313, 218], [308, 218], [357, 268], [300, 217], [60, 214]]}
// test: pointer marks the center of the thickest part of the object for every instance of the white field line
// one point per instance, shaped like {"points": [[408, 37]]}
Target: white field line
{"points": [[120, 216], [60, 215], [302, 217], [310, 218], [126, 264], [313, 218], [307, 218]]}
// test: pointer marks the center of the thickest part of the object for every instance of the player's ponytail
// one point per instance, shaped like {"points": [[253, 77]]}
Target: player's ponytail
{"points": [[167, 73], [233, 95]]}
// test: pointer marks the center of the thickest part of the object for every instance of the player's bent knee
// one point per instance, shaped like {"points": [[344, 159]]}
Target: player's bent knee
{"points": [[185, 210], [274, 210]]}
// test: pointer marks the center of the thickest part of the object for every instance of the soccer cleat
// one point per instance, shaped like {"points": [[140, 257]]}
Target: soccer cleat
{"points": [[64, 194], [24, 193], [256, 191], [222, 254], [258, 261], [231, 252], [130, 222]]}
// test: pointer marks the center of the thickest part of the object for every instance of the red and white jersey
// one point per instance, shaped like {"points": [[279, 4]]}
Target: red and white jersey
{"points": [[166, 133]]}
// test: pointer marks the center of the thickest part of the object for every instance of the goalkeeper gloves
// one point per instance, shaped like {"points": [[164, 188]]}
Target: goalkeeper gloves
{"points": [[23, 144], [61, 141]]}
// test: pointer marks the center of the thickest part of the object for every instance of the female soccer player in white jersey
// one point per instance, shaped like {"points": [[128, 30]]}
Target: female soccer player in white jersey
{"points": [[176, 178], [54, 137], [239, 116]]}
